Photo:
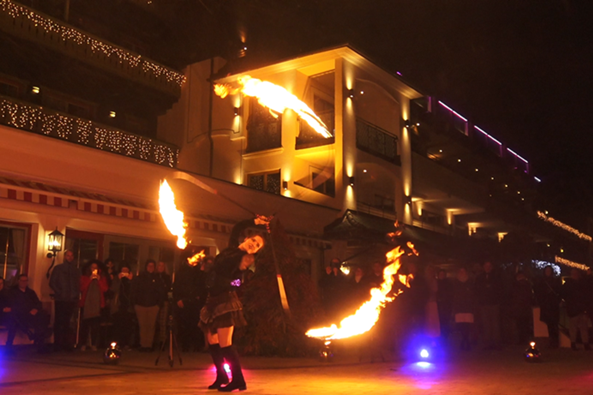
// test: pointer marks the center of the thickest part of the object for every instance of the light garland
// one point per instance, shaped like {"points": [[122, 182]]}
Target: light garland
{"points": [[567, 262], [543, 264], [86, 133], [563, 226], [74, 36]]}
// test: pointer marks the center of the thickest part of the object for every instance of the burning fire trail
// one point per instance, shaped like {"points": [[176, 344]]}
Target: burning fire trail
{"points": [[368, 314], [276, 98], [173, 218], [194, 260]]}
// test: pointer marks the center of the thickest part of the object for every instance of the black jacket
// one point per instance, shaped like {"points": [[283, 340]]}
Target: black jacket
{"points": [[23, 302], [65, 282], [147, 290]]}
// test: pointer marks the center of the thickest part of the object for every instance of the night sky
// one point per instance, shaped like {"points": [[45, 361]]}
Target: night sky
{"points": [[522, 70]]}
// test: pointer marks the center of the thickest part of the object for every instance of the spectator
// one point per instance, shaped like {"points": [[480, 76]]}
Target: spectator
{"points": [[332, 286], [359, 289], [375, 278], [521, 302], [65, 282], [27, 312], [164, 280], [444, 302], [6, 318], [433, 327], [413, 303], [122, 310], [189, 295], [547, 292], [147, 296], [93, 285], [574, 293], [489, 293], [463, 307]]}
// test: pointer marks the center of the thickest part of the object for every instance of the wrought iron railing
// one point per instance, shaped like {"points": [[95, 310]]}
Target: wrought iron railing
{"points": [[376, 141], [62, 126], [29, 24]]}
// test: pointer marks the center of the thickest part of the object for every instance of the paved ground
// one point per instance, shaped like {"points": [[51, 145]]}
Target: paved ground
{"points": [[478, 372]]}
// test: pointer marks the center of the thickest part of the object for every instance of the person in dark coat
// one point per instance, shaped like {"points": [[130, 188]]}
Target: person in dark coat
{"points": [[223, 310], [574, 293], [488, 291], [124, 317], [333, 286], [189, 296], [164, 279], [6, 315], [65, 283], [547, 292], [521, 303], [28, 313], [147, 295], [444, 302], [464, 307]]}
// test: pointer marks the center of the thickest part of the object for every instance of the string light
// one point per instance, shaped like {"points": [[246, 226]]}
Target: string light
{"points": [[86, 132], [563, 226], [570, 263], [70, 35]]}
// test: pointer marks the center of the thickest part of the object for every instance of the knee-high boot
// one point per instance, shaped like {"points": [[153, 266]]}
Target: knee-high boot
{"points": [[238, 381], [217, 358]]}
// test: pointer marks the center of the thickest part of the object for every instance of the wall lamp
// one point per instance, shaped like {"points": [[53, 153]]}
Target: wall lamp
{"points": [[285, 185], [351, 93], [55, 242], [351, 181], [408, 200], [237, 110]]}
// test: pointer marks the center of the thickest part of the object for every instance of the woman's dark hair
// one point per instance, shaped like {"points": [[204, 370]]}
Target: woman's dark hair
{"points": [[148, 262], [87, 268]]}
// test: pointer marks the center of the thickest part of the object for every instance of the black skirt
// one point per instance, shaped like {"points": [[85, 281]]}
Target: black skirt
{"points": [[221, 311]]}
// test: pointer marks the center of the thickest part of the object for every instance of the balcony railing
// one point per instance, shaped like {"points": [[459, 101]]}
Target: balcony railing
{"points": [[88, 133], [382, 212], [376, 141], [32, 25]]}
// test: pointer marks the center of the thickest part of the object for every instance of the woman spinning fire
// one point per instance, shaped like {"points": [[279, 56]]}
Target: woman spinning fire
{"points": [[223, 310]]}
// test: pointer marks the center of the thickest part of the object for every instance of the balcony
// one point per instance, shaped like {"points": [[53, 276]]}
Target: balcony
{"points": [[65, 127], [377, 142], [31, 25]]}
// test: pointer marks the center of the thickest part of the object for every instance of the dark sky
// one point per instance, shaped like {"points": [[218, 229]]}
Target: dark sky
{"points": [[521, 69]]}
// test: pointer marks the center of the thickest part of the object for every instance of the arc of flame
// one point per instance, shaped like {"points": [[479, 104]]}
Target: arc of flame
{"points": [[173, 218], [368, 314], [276, 98]]}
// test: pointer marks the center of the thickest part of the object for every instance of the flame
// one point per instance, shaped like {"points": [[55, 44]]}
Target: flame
{"points": [[193, 260], [173, 218], [276, 98], [368, 314]]}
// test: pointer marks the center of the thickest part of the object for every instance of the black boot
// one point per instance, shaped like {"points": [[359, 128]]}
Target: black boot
{"points": [[221, 377], [238, 382]]}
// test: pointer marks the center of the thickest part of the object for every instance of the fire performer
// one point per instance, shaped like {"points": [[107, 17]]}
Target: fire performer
{"points": [[223, 310]]}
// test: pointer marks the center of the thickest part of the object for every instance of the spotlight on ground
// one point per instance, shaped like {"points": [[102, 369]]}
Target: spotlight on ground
{"points": [[532, 354], [112, 354]]}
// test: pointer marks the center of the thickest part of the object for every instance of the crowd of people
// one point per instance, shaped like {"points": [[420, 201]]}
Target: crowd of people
{"points": [[486, 306], [103, 302]]}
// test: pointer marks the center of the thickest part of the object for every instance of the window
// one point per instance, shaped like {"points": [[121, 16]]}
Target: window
{"points": [[127, 254], [269, 182], [85, 245], [264, 131], [69, 105], [327, 187], [14, 248]]}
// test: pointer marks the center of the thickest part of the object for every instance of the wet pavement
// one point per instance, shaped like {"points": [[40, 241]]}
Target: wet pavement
{"points": [[478, 372]]}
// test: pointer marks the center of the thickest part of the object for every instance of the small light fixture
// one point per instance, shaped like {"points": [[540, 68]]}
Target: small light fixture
{"points": [[407, 123], [351, 93], [506, 185], [459, 160], [364, 170], [518, 192], [477, 169], [112, 114], [492, 178], [441, 151], [418, 124], [351, 181], [55, 242], [362, 92], [285, 185], [112, 355], [35, 90], [408, 200], [237, 111]]}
